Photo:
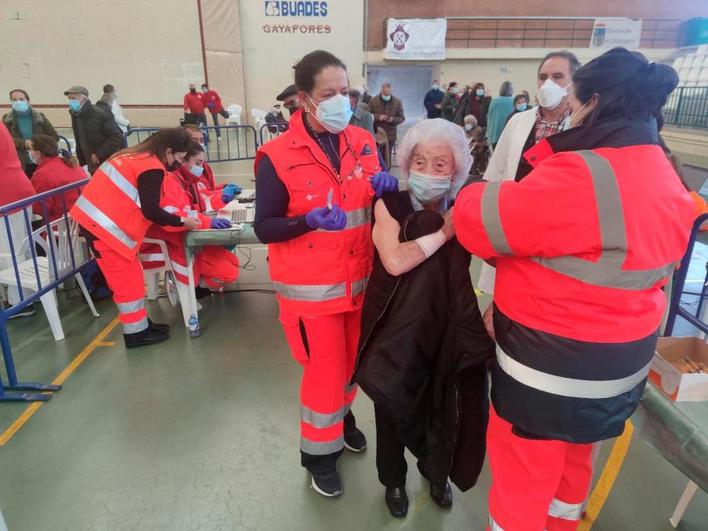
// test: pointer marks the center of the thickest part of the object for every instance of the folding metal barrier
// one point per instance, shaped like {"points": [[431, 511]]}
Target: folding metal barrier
{"points": [[675, 308], [15, 226], [223, 143]]}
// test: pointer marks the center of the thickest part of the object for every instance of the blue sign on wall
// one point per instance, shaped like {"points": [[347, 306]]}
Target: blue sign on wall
{"points": [[281, 8]]}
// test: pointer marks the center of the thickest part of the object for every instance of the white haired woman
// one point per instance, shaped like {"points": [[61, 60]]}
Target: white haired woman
{"points": [[423, 348]]}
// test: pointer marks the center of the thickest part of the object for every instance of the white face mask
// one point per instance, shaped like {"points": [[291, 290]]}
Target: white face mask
{"points": [[428, 188], [551, 94], [568, 122], [334, 113], [468, 127]]}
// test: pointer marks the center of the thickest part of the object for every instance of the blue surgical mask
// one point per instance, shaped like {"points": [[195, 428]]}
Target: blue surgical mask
{"points": [[20, 106], [521, 107], [74, 105], [196, 170], [334, 113], [386, 97], [428, 188], [480, 92], [436, 87]]}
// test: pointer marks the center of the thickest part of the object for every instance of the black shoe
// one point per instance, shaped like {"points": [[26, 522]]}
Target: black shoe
{"points": [[158, 327], [145, 337], [327, 484], [28, 311], [354, 440], [397, 501], [441, 494]]}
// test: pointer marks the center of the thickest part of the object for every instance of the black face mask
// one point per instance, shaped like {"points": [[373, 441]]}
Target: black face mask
{"points": [[193, 91]]}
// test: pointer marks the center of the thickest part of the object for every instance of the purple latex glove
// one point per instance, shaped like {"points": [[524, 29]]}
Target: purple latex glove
{"points": [[220, 223], [327, 219], [384, 182]]}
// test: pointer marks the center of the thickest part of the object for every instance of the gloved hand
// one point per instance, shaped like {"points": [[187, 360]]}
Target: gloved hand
{"points": [[220, 223], [324, 218], [384, 182], [229, 191]]}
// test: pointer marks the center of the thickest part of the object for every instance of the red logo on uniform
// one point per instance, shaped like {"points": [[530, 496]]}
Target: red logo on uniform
{"points": [[399, 38]]}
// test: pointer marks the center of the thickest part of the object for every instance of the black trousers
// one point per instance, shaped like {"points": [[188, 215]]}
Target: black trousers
{"points": [[390, 452], [215, 117], [326, 463]]}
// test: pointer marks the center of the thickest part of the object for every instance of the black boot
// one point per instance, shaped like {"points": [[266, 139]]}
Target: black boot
{"points": [[158, 327], [397, 501], [145, 337], [441, 494]]}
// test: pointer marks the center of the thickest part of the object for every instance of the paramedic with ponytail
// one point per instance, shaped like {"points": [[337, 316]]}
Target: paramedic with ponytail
{"points": [[314, 187], [117, 207], [583, 247]]}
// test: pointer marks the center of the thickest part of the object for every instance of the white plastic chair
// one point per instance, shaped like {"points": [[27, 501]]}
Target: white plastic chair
{"points": [[258, 117], [58, 248], [183, 294], [234, 111]]}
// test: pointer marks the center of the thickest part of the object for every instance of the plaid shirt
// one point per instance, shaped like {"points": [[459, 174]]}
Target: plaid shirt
{"points": [[545, 129]]}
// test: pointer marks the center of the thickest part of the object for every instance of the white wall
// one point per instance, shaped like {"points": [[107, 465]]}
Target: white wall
{"points": [[269, 56], [149, 50]]}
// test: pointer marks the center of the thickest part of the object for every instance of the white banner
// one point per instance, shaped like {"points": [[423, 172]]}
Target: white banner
{"points": [[416, 39], [611, 32]]}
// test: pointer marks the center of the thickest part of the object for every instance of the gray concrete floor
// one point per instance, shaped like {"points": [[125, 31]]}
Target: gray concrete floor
{"points": [[203, 435]]}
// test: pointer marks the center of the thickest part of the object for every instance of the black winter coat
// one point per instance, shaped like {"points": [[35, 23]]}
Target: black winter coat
{"points": [[423, 353], [95, 132]]}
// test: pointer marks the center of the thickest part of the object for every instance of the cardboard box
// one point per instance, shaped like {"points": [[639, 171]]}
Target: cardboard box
{"points": [[672, 377]]}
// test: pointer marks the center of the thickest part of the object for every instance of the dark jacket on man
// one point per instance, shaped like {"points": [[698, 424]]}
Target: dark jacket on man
{"points": [[449, 107], [392, 108], [464, 108], [364, 119], [432, 98], [423, 353], [40, 126], [95, 132]]}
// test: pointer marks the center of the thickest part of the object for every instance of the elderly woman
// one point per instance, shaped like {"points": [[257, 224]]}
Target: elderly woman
{"points": [[423, 346]]}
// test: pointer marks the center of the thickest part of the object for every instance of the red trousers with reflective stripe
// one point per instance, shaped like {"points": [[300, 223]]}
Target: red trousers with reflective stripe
{"points": [[214, 265], [125, 278], [534, 479], [325, 346]]}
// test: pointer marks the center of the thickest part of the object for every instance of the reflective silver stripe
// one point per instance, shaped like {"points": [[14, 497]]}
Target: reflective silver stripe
{"points": [[607, 271], [151, 257], [322, 420], [357, 218], [322, 448], [566, 511], [570, 387], [120, 181], [134, 328], [491, 218], [170, 209], [359, 286], [131, 307], [493, 525], [104, 221], [311, 293]]}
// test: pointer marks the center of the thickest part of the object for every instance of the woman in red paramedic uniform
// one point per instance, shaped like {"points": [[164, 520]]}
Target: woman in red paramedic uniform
{"points": [[214, 266], [583, 247], [314, 188]]}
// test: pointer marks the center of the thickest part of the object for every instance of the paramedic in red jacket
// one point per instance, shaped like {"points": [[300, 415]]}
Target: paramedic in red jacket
{"points": [[314, 188], [199, 181], [212, 102], [583, 247], [194, 105]]}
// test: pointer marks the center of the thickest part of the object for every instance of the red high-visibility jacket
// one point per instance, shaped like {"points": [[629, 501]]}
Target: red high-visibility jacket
{"points": [[583, 246], [323, 272], [205, 193], [109, 206]]}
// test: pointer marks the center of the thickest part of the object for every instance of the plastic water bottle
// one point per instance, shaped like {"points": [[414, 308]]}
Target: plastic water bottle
{"points": [[193, 326]]}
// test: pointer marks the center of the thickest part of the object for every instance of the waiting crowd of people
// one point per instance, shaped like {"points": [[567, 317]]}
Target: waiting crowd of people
{"points": [[373, 283]]}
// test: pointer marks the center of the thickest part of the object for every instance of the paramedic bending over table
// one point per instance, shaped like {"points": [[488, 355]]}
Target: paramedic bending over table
{"points": [[314, 188]]}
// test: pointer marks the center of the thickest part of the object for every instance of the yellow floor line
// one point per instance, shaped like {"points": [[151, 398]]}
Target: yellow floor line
{"points": [[98, 341], [607, 478]]}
